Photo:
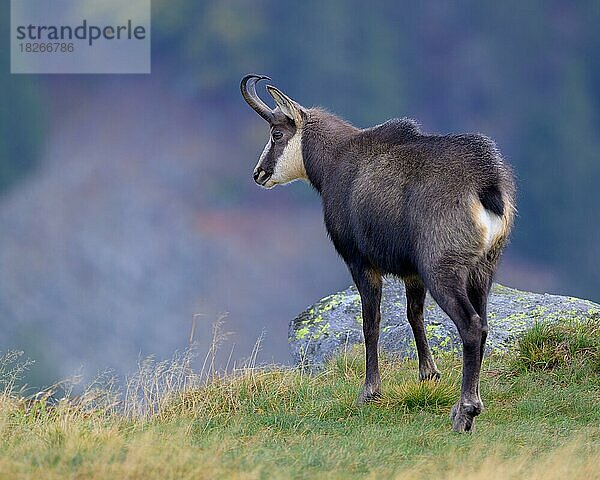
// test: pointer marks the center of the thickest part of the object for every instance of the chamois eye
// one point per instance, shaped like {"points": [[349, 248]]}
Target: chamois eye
{"points": [[277, 135]]}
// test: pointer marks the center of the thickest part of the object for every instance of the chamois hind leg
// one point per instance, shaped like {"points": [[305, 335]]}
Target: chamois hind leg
{"points": [[450, 293], [368, 282], [415, 301], [478, 291]]}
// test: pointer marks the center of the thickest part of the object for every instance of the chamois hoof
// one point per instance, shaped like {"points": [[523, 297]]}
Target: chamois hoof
{"points": [[368, 395], [429, 374], [463, 416]]}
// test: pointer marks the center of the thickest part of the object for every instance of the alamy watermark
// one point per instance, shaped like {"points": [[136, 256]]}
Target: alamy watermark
{"points": [[80, 36]]}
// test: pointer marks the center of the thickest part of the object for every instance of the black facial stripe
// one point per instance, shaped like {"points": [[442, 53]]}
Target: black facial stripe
{"points": [[276, 148], [268, 163]]}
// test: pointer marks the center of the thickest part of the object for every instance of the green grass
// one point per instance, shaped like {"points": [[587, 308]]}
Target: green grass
{"points": [[541, 420], [549, 345]]}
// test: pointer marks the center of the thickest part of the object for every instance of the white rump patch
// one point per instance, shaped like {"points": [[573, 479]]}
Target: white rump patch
{"points": [[492, 224]]}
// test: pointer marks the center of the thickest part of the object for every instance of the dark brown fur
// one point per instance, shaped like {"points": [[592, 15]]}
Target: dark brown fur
{"points": [[398, 201]]}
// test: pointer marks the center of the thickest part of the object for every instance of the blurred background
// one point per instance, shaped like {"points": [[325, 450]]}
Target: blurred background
{"points": [[127, 204]]}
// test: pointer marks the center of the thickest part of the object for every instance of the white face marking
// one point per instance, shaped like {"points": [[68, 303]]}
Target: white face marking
{"points": [[290, 164]]}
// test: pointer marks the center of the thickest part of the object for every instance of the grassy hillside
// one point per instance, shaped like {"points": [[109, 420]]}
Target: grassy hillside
{"points": [[541, 421]]}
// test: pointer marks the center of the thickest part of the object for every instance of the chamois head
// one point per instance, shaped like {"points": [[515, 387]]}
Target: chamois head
{"points": [[281, 160]]}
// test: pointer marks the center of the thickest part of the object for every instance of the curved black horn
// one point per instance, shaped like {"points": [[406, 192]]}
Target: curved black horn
{"points": [[251, 97]]}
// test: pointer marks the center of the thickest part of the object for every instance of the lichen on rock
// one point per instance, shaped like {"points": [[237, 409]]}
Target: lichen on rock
{"points": [[334, 323]]}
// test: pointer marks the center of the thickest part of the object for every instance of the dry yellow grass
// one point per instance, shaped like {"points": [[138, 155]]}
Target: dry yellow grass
{"points": [[171, 423]]}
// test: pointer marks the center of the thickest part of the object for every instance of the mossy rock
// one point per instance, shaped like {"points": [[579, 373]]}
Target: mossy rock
{"points": [[334, 323]]}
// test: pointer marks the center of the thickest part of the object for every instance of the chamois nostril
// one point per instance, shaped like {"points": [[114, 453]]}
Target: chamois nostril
{"points": [[261, 176]]}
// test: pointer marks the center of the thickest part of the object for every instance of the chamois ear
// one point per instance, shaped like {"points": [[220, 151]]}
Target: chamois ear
{"points": [[291, 109]]}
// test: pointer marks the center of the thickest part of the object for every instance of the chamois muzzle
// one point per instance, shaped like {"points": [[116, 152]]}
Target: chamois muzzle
{"points": [[248, 88], [261, 176]]}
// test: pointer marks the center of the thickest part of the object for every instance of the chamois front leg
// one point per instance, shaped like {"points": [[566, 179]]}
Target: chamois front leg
{"points": [[368, 282]]}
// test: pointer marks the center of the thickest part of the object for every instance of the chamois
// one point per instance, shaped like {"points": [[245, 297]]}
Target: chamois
{"points": [[434, 210]]}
